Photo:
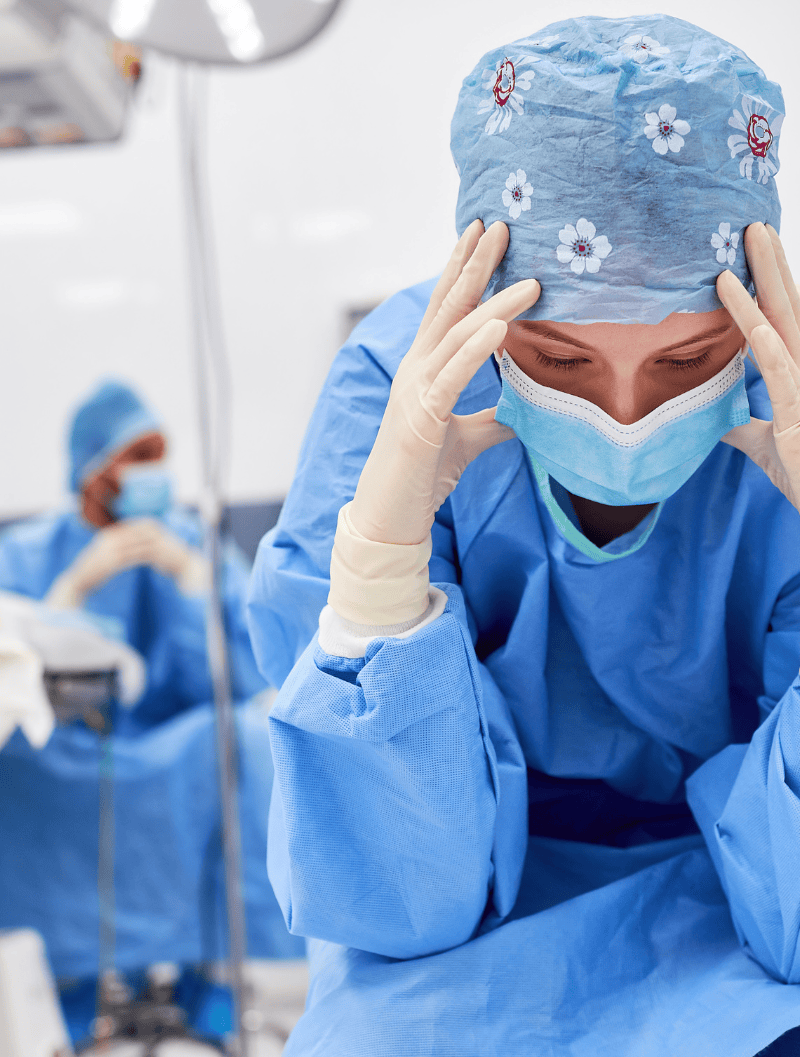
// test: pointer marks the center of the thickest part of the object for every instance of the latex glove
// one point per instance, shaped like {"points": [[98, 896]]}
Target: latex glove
{"points": [[139, 541], [172, 556], [772, 331], [422, 448]]}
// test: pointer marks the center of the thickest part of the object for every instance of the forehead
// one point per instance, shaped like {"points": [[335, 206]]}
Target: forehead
{"points": [[679, 327], [148, 446]]}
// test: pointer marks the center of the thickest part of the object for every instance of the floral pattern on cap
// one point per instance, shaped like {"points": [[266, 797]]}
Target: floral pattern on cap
{"points": [[758, 125], [725, 244], [504, 82], [640, 48], [517, 194], [583, 135], [581, 248], [665, 129]]}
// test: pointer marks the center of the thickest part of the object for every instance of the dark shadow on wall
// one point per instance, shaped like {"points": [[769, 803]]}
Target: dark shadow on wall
{"points": [[248, 522]]}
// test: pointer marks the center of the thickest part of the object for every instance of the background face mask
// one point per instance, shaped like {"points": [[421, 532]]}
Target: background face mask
{"points": [[145, 491], [594, 456]]}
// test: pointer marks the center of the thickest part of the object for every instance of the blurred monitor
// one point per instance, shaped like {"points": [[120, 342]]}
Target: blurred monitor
{"points": [[61, 79]]}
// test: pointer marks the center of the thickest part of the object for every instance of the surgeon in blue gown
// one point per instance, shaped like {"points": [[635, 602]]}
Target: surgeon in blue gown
{"points": [[126, 555], [537, 760]]}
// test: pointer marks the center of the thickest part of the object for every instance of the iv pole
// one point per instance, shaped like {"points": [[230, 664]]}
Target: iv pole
{"points": [[214, 399]]}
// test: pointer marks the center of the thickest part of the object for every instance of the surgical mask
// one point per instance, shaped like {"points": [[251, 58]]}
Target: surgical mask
{"points": [[594, 456], [145, 491]]}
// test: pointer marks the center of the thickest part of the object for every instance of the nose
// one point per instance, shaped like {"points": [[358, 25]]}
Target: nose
{"points": [[624, 400]]}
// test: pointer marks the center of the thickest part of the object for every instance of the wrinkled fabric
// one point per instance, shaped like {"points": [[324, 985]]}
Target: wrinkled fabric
{"points": [[485, 826], [166, 802], [108, 420], [23, 701], [626, 156]]}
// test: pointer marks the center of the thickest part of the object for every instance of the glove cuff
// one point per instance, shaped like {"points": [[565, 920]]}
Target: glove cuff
{"points": [[377, 583]]}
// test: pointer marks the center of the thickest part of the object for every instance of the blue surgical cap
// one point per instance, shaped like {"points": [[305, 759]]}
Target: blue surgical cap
{"points": [[111, 418], [626, 156]]}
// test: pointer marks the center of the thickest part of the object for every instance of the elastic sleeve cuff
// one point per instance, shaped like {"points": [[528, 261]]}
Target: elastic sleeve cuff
{"points": [[344, 638], [377, 584]]}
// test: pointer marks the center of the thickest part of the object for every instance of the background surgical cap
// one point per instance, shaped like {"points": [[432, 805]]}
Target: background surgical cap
{"points": [[112, 417], [627, 156]]}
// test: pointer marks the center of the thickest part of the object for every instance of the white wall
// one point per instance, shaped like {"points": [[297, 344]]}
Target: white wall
{"points": [[332, 186]]}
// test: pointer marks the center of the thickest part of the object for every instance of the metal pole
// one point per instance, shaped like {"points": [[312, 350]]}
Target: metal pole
{"points": [[105, 879], [213, 391]]}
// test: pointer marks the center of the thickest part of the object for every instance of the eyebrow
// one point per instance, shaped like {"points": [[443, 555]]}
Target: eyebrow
{"points": [[543, 330], [716, 332]]}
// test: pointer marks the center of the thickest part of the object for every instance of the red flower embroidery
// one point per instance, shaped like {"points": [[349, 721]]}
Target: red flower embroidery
{"points": [[759, 135], [504, 85]]}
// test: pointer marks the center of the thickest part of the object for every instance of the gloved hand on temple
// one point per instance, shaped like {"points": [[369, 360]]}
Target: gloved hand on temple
{"points": [[422, 448], [139, 541], [771, 326]]}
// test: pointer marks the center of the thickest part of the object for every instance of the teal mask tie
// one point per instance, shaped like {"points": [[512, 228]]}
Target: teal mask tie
{"points": [[573, 535]]}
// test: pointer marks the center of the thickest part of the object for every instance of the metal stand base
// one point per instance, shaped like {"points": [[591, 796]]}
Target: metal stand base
{"points": [[140, 1027]]}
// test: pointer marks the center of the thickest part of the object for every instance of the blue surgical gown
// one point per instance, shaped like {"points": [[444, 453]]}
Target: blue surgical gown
{"points": [[168, 868], [563, 818]]}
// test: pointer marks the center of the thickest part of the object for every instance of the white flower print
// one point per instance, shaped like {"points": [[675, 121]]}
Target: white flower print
{"points": [[759, 126], [640, 48], [725, 244], [517, 195], [665, 130], [504, 82], [581, 248]]}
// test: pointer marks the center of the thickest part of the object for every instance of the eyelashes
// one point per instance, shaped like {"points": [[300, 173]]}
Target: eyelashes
{"points": [[570, 365], [557, 364], [687, 365]]}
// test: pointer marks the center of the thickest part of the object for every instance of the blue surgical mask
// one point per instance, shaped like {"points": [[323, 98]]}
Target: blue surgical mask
{"points": [[145, 491], [594, 456]]}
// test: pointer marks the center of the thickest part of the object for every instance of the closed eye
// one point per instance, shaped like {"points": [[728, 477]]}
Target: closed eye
{"points": [[688, 365], [558, 364]]}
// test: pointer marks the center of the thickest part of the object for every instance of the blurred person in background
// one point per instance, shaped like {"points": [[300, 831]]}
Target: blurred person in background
{"points": [[126, 555]]}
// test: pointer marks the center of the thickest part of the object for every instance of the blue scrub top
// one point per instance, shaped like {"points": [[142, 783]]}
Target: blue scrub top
{"points": [[563, 818], [168, 870]]}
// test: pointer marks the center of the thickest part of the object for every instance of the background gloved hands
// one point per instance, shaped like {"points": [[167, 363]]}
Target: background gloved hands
{"points": [[138, 541], [772, 329]]}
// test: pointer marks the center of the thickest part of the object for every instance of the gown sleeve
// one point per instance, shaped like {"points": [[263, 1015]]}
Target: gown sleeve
{"points": [[399, 808], [28, 557], [746, 800]]}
